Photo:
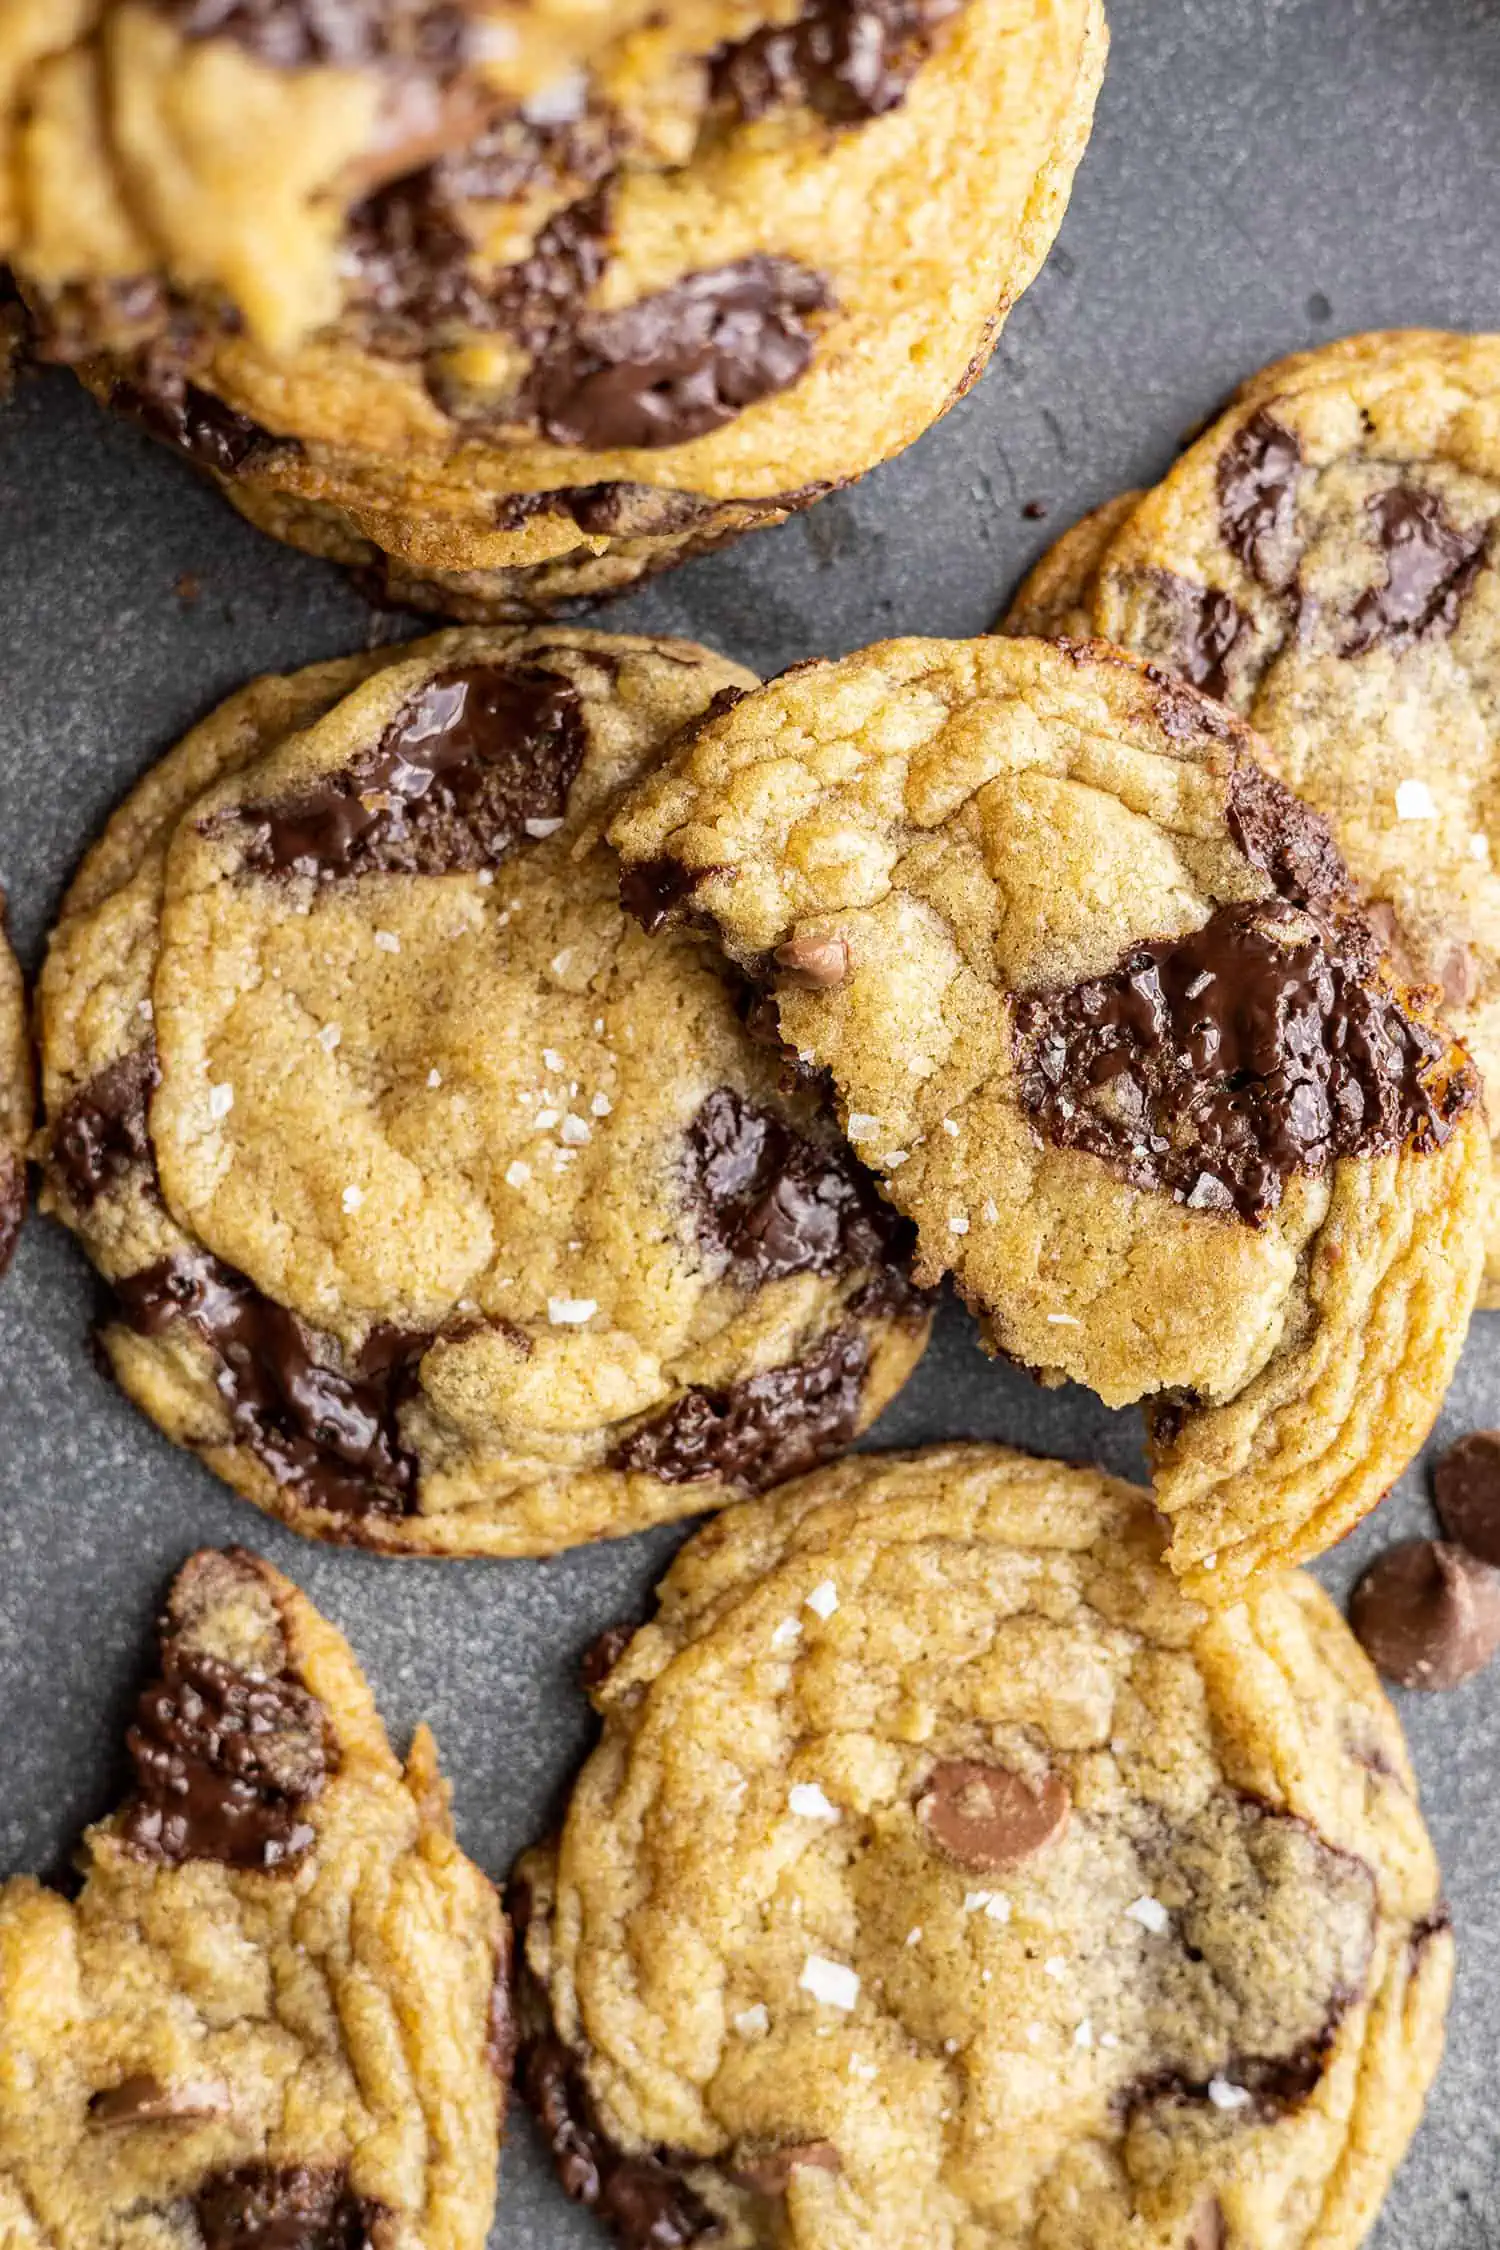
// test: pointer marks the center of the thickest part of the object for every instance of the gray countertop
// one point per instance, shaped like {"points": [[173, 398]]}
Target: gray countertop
{"points": [[1265, 174]]}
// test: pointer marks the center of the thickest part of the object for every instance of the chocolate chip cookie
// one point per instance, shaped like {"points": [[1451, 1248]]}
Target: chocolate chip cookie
{"points": [[1100, 1011], [17, 1096], [443, 1210], [555, 357], [278, 2010], [1323, 559], [945, 1875]]}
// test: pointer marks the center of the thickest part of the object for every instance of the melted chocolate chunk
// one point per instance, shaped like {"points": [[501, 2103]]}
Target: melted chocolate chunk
{"points": [[538, 298], [334, 1437], [192, 421], [1216, 1065], [256, 2208], [1207, 628], [1430, 566], [1275, 2083], [652, 889], [1284, 838], [641, 2198], [423, 34], [760, 1431], [844, 59], [771, 1203], [1258, 475], [102, 1134], [225, 1763], [476, 761], [681, 363]]}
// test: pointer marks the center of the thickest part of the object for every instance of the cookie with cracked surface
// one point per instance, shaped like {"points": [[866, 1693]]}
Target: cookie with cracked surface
{"points": [[540, 385], [1324, 558], [444, 1211], [1097, 1005], [945, 1874], [278, 2009], [17, 1096]]}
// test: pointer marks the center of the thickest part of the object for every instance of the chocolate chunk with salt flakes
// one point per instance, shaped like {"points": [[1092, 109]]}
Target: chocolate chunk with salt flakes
{"points": [[1216, 1065], [1257, 478], [101, 1133], [987, 1818], [226, 1764], [676, 365], [1430, 566], [773, 1203], [333, 1434], [844, 59], [817, 960], [298, 2207], [759, 1431], [769, 2171], [475, 763], [1466, 1487], [1427, 1614], [144, 2100], [640, 2197]]}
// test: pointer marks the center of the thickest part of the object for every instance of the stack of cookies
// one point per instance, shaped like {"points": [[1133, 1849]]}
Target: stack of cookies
{"points": [[511, 304]]}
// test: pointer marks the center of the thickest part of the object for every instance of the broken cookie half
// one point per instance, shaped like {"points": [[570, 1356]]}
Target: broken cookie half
{"points": [[277, 2012], [945, 1874], [1103, 1015]]}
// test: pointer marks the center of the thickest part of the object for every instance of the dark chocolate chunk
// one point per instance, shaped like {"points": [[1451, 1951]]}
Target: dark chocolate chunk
{"points": [[844, 59], [1274, 2083], [1258, 475], [12, 1203], [1284, 838], [771, 1203], [1430, 566], [987, 1818], [1216, 1065], [473, 764], [652, 888], [428, 35], [192, 421], [101, 1134], [1203, 627], [760, 1431], [678, 364], [334, 1436], [225, 1764], [1427, 1614], [603, 1654], [297, 2208], [640, 2198], [1466, 1487]]}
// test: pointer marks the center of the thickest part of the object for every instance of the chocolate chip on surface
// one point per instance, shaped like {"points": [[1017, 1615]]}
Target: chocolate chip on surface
{"points": [[814, 959], [1428, 1614], [1466, 1487], [144, 2100], [986, 1817], [769, 2171]]}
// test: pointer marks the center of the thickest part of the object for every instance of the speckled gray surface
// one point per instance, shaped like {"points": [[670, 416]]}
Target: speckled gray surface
{"points": [[1265, 173]]}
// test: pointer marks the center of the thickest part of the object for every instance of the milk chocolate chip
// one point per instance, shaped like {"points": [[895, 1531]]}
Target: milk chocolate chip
{"points": [[987, 1818], [1428, 1614], [814, 959], [225, 1765], [294, 2208], [1466, 1487], [478, 761], [1216, 1065], [674, 366], [769, 2171], [1430, 566]]}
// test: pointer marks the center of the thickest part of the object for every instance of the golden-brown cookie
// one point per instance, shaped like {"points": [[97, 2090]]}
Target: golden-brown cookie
{"points": [[1098, 1006], [944, 1875], [444, 1211], [278, 2009]]}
